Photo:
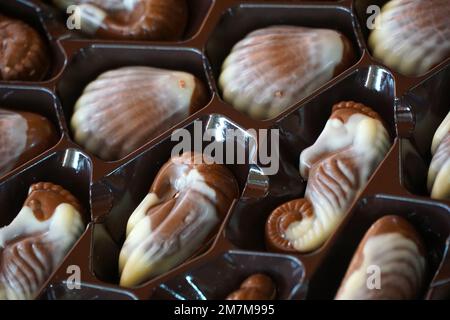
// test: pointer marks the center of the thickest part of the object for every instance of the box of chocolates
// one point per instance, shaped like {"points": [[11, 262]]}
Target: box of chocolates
{"points": [[225, 149]]}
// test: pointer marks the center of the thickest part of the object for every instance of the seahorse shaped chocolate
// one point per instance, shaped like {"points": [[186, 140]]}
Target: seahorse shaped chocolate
{"points": [[389, 264], [439, 172], [37, 240], [337, 167], [186, 203], [256, 287], [130, 19]]}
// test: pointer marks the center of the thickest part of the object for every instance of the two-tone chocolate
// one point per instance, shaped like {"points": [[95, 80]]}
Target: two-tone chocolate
{"points": [[439, 171], [256, 287], [275, 67], [125, 108], [37, 240], [389, 264], [24, 56], [185, 205], [338, 165], [23, 136], [130, 19]]}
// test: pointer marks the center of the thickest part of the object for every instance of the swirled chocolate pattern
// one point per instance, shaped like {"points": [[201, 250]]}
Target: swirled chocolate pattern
{"points": [[256, 287]]}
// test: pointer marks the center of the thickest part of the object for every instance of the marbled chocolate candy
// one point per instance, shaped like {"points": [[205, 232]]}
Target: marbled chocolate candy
{"points": [[256, 287]]}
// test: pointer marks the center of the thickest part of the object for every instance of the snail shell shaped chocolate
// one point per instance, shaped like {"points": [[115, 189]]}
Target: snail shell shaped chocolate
{"points": [[185, 205], [412, 36], [275, 67], [23, 136], [23, 54], [125, 108], [37, 240], [130, 19], [256, 287], [338, 165], [439, 172], [393, 252]]}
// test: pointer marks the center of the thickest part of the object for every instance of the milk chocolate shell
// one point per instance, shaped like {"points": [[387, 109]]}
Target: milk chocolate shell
{"points": [[275, 67], [125, 108], [338, 165], [186, 203], [389, 264], [439, 172], [37, 240], [412, 36], [130, 19], [256, 287], [23, 136], [23, 54]]}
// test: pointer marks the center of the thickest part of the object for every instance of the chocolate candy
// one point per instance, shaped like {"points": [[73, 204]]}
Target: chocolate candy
{"points": [[133, 19], [23, 136], [185, 205], [394, 252], [256, 287], [125, 108], [273, 68], [439, 172], [412, 36], [37, 240], [23, 54], [338, 165]]}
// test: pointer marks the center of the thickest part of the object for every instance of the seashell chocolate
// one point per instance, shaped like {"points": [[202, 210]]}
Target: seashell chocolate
{"points": [[412, 36], [439, 171], [256, 287], [23, 136], [275, 67], [337, 167], [125, 108], [130, 19], [24, 56], [393, 246], [185, 205], [38, 238]]}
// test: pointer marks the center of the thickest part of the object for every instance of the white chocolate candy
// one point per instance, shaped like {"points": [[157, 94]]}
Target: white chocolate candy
{"points": [[13, 132]]}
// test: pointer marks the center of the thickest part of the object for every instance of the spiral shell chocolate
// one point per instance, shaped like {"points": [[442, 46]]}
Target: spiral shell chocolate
{"points": [[125, 108], [23, 136], [186, 203], [275, 67], [130, 19], [338, 165], [439, 172], [412, 36], [389, 264], [37, 240], [23, 54], [256, 287]]}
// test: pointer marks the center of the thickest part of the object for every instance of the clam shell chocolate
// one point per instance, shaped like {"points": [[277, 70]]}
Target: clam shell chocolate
{"points": [[37, 240], [125, 108], [338, 165], [275, 67], [23, 54], [186, 203], [23, 136], [412, 36], [132, 19], [439, 172], [256, 287], [394, 247]]}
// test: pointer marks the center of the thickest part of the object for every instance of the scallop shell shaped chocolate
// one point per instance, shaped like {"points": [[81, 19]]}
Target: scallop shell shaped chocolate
{"points": [[186, 203], [37, 240], [275, 67], [256, 287], [338, 165], [439, 171], [23, 136], [389, 264], [130, 19], [412, 36], [23, 54], [125, 108]]}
